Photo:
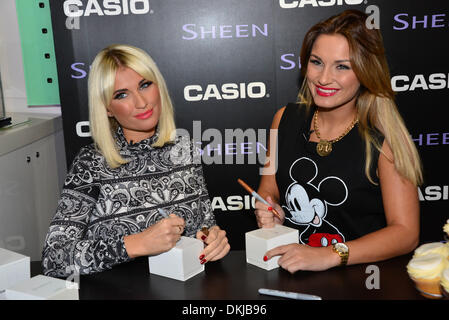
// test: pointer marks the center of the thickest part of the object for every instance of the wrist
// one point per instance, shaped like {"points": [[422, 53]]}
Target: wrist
{"points": [[341, 251], [334, 258], [132, 245]]}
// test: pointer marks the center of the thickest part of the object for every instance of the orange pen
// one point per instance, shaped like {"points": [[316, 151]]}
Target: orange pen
{"points": [[258, 197]]}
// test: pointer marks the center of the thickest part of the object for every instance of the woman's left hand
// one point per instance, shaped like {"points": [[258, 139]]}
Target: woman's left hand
{"points": [[217, 245], [296, 257]]}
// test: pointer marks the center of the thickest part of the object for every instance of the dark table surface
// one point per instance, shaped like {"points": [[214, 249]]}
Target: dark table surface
{"points": [[233, 279]]}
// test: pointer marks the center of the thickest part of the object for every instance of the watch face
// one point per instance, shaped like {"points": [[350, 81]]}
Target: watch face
{"points": [[341, 247]]}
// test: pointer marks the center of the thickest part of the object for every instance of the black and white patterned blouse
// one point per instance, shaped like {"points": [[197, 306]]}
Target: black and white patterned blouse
{"points": [[100, 205]]}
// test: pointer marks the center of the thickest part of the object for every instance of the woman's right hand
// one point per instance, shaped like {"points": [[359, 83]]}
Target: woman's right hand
{"points": [[158, 238], [265, 217]]}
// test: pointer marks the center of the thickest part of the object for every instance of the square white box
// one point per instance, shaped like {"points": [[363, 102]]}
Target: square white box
{"points": [[181, 262], [14, 268], [43, 288], [259, 241]]}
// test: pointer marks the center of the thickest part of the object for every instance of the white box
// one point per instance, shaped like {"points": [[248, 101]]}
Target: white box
{"points": [[259, 241], [14, 268], [43, 288], [181, 262]]}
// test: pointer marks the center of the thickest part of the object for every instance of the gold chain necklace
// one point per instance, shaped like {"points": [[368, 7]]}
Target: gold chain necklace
{"points": [[324, 147]]}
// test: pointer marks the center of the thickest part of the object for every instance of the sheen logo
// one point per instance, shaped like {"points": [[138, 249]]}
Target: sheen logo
{"points": [[290, 61], [431, 139], [287, 4], [402, 21], [78, 8], [78, 70], [434, 81], [193, 31], [227, 91]]}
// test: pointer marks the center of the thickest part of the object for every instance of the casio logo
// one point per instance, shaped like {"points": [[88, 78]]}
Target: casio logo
{"points": [[285, 4], [227, 91], [76, 8]]}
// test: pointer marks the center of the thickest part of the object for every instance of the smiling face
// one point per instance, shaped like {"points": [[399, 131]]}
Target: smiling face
{"points": [[136, 104], [303, 210], [330, 78]]}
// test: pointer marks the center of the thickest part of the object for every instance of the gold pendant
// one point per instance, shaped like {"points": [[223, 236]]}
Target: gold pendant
{"points": [[324, 147]]}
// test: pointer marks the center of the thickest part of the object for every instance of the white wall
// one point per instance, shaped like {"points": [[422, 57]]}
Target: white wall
{"points": [[11, 66]]}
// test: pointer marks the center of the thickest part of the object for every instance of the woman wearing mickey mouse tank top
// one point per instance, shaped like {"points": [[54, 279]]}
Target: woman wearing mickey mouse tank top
{"points": [[347, 169]]}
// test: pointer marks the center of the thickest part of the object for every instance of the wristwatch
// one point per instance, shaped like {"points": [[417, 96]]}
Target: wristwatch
{"points": [[343, 251]]}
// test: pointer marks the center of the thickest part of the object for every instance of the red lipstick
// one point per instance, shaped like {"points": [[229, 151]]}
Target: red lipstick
{"points": [[325, 92], [144, 115]]}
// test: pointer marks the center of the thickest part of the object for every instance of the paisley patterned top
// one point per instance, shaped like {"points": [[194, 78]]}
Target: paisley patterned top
{"points": [[100, 205]]}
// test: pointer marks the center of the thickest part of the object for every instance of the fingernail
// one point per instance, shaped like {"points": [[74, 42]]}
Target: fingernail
{"points": [[203, 261], [203, 238], [270, 208], [201, 257], [265, 258]]}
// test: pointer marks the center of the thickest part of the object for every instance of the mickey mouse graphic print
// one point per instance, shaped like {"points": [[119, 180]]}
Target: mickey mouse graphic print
{"points": [[328, 199], [307, 204]]}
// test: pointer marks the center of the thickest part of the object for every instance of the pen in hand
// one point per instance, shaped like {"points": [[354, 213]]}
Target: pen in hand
{"points": [[258, 197], [205, 230], [162, 212]]}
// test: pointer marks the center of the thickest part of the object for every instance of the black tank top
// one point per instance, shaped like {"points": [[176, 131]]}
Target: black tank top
{"points": [[328, 199]]}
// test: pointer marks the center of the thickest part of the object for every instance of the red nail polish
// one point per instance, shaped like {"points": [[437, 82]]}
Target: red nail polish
{"points": [[203, 261], [203, 238], [265, 258], [270, 208], [201, 257]]}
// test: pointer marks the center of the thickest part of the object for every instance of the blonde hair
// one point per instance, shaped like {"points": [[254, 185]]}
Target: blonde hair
{"points": [[376, 108], [101, 87]]}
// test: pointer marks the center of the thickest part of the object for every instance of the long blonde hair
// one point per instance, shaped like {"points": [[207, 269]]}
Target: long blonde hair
{"points": [[101, 87], [376, 108]]}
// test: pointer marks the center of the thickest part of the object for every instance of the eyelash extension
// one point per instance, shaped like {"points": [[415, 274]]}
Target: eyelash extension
{"points": [[147, 83], [344, 67], [340, 66], [117, 96]]}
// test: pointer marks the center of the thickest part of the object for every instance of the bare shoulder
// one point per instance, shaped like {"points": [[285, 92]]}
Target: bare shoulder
{"points": [[385, 163], [277, 118], [387, 153], [388, 174]]}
